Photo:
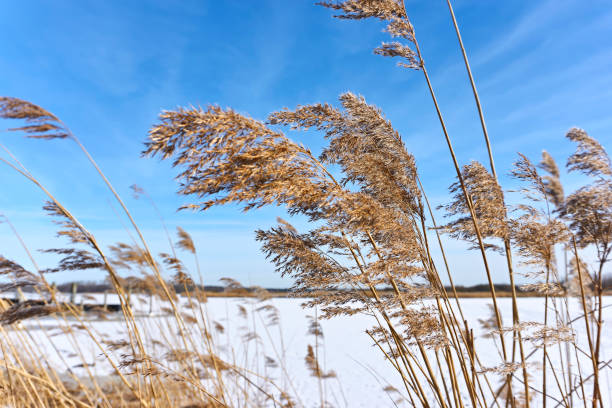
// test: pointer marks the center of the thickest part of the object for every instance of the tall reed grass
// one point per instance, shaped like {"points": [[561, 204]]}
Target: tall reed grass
{"points": [[373, 228]]}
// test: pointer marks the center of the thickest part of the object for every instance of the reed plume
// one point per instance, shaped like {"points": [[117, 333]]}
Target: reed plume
{"points": [[487, 199], [40, 123]]}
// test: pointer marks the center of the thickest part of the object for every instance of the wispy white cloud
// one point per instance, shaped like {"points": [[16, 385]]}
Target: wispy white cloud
{"points": [[527, 24]]}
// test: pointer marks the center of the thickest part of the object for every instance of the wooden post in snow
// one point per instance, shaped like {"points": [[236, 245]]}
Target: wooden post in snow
{"points": [[73, 293], [20, 296]]}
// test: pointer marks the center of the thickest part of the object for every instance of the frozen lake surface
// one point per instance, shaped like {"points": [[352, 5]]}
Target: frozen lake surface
{"points": [[249, 335]]}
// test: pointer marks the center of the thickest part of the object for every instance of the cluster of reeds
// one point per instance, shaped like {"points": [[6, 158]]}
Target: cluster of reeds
{"points": [[372, 228], [172, 359]]}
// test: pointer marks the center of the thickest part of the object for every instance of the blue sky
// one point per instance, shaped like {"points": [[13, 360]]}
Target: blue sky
{"points": [[108, 68]]}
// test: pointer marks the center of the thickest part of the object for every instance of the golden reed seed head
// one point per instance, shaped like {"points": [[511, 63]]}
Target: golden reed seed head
{"points": [[487, 199], [590, 157], [227, 157], [185, 242], [398, 26], [41, 124], [552, 180]]}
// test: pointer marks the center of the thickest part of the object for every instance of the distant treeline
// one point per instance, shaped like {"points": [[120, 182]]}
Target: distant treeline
{"points": [[101, 287]]}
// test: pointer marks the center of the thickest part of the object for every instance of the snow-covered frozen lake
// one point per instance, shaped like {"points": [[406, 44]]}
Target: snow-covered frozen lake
{"points": [[248, 337]]}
